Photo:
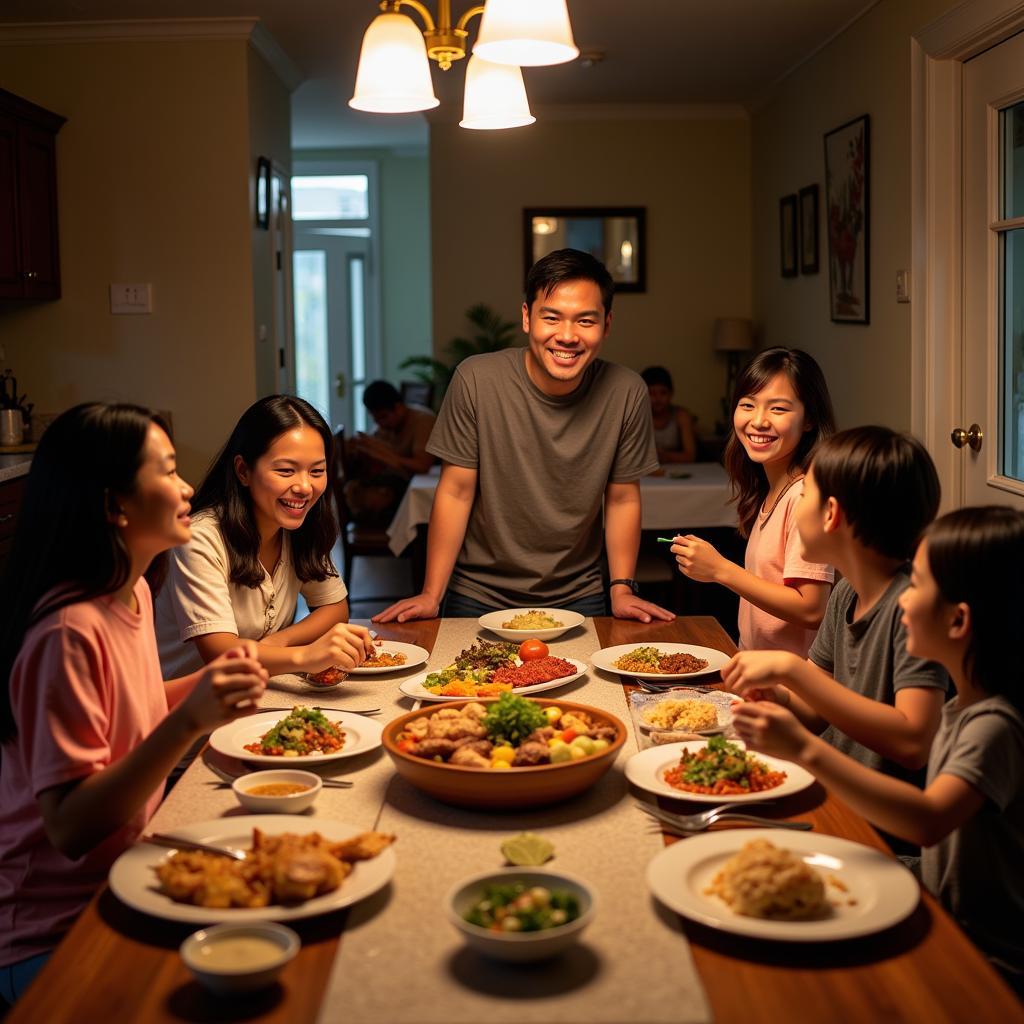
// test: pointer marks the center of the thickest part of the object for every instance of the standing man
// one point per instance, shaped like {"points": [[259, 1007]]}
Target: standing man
{"points": [[531, 442]]}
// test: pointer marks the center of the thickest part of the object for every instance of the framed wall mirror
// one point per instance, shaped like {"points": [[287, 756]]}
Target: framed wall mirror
{"points": [[616, 235]]}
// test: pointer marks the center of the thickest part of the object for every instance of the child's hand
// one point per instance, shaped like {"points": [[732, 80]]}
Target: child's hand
{"points": [[757, 675], [227, 686], [772, 729], [698, 559], [343, 645]]}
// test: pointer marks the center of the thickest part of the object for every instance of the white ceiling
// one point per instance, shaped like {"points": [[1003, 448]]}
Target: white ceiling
{"points": [[656, 51]]}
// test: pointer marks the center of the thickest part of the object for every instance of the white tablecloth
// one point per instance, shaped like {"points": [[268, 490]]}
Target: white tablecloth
{"points": [[696, 501]]}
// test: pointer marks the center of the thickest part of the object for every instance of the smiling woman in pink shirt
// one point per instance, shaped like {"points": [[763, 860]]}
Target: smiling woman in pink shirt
{"points": [[89, 728]]}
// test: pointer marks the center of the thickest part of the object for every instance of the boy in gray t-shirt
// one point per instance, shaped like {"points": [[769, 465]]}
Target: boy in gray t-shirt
{"points": [[868, 496], [534, 442]]}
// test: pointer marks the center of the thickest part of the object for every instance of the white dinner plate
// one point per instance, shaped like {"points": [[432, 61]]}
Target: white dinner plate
{"points": [[647, 770], [133, 881], [607, 656], [361, 734], [414, 687], [877, 890], [414, 656], [721, 701], [493, 621]]}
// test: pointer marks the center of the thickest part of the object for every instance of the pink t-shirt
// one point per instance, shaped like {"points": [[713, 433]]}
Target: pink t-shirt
{"points": [[775, 554], [85, 689]]}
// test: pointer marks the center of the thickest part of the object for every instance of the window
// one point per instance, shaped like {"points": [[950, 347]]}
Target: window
{"points": [[330, 197]]}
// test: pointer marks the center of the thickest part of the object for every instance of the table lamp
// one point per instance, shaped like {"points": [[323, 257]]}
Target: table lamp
{"points": [[733, 335]]}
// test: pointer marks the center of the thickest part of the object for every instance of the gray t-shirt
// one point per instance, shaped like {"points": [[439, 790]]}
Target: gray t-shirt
{"points": [[977, 871], [543, 463], [870, 657]]}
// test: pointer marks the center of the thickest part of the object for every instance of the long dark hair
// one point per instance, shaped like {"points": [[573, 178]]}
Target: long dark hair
{"points": [[66, 546], [749, 482], [977, 557], [222, 492]]}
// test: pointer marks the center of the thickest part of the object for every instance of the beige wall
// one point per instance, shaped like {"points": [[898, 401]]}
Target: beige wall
{"points": [[152, 187], [692, 175], [864, 71], [270, 135]]}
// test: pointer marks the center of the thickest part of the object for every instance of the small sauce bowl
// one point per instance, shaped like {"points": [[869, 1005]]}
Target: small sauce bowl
{"points": [[292, 803], [229, 958]]}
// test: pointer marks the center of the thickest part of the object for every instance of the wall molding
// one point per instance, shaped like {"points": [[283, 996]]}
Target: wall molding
{"points": [[641, 111]]}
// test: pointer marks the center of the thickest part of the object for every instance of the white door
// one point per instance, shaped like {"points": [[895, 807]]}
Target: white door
{"points": [[334, 358], [990, 427]]}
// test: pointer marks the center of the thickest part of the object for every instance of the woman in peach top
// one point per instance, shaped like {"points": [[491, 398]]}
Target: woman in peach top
{"points": [[88, 726], [781, 409]]}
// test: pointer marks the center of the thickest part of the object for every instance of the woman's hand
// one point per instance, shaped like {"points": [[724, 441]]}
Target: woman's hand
{"points": [[772, 729], [343, 645], [751, 671], [700, 560], [229, 685]]}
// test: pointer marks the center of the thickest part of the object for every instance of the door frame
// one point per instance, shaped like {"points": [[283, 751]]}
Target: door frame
{"points": [[938, 52]]}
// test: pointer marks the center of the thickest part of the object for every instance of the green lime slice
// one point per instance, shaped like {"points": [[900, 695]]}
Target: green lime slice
{"points": [[527, 850]]}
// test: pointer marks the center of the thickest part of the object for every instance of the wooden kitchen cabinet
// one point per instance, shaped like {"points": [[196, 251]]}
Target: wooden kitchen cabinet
{"points": [[29, 252]]}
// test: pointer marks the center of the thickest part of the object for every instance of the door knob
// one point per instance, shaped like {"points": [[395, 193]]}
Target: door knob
{"points": [[972, 437]]}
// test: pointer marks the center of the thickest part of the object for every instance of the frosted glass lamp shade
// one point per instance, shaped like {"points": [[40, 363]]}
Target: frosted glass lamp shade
{"points": [[394, 72], [528, 33], [495, 96]]}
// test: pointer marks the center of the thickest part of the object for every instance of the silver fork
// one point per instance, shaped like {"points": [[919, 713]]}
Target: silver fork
{"points": [[317, 707], [644, 685], [689, 823]]}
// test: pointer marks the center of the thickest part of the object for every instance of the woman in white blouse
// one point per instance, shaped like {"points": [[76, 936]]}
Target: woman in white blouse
{"points": [[262, 533]]}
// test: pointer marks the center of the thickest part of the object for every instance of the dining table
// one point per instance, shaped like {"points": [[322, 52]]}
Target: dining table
{"points": [[682, 496], [394, 957]]}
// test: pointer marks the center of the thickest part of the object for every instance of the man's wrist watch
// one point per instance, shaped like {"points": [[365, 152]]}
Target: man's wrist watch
{"points": [[632, 584]]}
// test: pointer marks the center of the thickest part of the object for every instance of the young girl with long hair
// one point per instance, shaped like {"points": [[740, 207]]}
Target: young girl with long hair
{"points": [[262, 534], [87, 736], [962, 609], [781, 409]]}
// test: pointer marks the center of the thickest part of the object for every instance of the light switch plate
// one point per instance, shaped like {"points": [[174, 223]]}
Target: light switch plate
{"points": [[131, 298], [902, 285]]}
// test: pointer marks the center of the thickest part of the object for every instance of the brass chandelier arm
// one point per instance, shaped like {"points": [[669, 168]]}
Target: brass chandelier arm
{"points": [[445, 43], [471, 13], [394, 7]]}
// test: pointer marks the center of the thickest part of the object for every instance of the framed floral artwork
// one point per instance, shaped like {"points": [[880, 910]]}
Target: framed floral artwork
{"points": [[846, 218], [787, 235]]}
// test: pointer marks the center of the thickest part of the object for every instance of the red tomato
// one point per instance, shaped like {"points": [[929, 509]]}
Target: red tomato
{"points": [[568, 735], [531, 650]]}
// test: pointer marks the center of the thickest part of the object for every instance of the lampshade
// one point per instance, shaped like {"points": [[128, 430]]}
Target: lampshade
{"points": [[733, 334], [495, 96], [394, 73], [529, 33]]}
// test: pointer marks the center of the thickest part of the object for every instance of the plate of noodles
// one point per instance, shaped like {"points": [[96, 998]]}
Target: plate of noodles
{"points": [[391, 656], [715, 771], [660, 662], [523, 623], [775, 884]]}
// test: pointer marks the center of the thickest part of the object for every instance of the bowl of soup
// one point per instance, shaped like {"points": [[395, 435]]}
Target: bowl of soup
{"points": [[229, 958], [280, 791]]}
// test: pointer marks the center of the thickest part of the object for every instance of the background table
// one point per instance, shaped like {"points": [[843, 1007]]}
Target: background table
{"points": [[698, 500], [120, 965]]}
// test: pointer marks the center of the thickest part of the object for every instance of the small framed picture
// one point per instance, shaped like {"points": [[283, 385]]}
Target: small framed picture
{"points": [[847, 222], [263, 193], [809, 230], [787, 235]]}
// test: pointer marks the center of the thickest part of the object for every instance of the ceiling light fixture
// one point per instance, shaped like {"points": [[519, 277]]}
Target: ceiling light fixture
{"points": [[394, 70]]}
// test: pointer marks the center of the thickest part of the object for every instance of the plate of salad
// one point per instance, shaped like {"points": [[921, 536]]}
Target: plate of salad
{"points": [[302, 736]]}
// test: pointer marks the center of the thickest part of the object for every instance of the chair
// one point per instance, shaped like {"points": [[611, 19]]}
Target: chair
{"points": [[356, 540]]}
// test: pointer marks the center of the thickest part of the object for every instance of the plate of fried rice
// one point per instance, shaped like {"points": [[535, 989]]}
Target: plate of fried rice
{"points": [[715, 771], [660, 662]]}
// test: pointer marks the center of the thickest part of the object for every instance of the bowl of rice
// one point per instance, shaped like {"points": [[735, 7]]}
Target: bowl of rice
{"points": [[681, 713], [525, 623]]}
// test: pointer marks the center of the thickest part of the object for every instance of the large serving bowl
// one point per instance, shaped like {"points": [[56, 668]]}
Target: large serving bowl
{"points": [[491, 789]]}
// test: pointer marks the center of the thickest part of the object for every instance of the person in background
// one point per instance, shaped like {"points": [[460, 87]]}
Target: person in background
{"points": [[868, 497], [88, 726], [534, 443], [962, 608], [380, 466], [262, 534], [674, 436], [781, 411]]}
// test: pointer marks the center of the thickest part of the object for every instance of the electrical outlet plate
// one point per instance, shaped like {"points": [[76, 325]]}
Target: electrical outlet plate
{"points": [[131, 298]]}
